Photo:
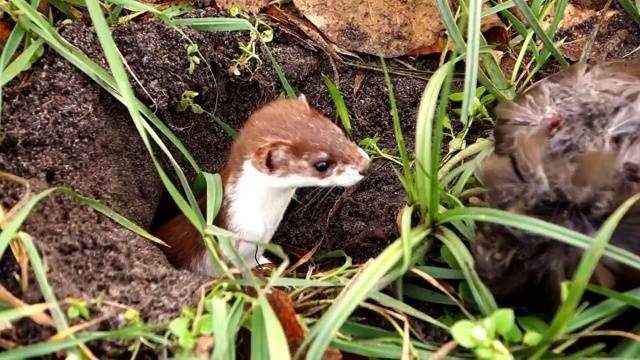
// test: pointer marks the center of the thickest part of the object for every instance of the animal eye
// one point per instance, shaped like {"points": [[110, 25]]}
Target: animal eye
{"points": [[321, 165]]}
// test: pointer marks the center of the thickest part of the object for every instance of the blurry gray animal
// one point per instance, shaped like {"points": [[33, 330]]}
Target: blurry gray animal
{"points": [[566, 151]]}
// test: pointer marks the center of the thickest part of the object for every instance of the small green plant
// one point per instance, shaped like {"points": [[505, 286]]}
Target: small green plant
{"points": [[248, 50], [78, 308], [487, 337], [180, 327], [192, 56], [186, 102], [371, 147]]}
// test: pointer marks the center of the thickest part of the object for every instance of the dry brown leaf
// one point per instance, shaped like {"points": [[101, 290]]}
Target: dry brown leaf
{"points": [[574, 16], [286, 313], [378, 27], [384, 27]]}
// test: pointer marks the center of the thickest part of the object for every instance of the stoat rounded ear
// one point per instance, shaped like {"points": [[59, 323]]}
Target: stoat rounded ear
{"points": [[272, 158], [303, 99]]}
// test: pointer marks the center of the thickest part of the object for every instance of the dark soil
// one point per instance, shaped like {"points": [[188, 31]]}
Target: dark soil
{"points": [[60, 128]]}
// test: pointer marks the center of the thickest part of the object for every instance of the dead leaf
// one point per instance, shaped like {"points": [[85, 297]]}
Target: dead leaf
{"points": [[378, 27], [286, 313], [283, 307], [385, 27]]}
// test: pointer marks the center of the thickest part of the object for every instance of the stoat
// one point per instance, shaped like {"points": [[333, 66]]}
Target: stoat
{"points": [[283, 146]]}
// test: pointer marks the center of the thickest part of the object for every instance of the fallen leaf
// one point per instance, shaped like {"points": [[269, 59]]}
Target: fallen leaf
{"points": [[386, 27], [286, 313]]}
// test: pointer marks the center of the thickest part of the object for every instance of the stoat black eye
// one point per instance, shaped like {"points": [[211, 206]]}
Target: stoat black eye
{"points": [[321, 165]]}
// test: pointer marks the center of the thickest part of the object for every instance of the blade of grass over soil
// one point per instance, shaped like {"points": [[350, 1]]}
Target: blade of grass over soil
{"points": [[291, 94], [496, 82], [8, 51], [32, 21], [426, 149], [407, 175], [538, 227], [192, 212], [472, 59], [21, 63], [51, 347], [483, 297], [11, 227], [631, 9], [338, 102], [542, 35], [322, 333], [607, 308], [23, 311], [582, 277]]}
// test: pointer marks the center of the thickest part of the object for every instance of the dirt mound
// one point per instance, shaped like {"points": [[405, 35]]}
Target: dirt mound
{"points": [[61, 129]]}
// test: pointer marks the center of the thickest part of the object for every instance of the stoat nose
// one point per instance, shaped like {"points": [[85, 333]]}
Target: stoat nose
{"points": [[363, 169]]}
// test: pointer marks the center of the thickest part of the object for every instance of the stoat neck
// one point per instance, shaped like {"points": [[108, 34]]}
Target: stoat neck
{"points": [[252, 208]]}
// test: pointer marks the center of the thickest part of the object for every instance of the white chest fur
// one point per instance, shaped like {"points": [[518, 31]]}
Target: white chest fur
{"points": [[255, 207]]}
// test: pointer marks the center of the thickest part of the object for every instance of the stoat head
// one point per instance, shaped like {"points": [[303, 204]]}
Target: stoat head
{"points": [[291, 145]]}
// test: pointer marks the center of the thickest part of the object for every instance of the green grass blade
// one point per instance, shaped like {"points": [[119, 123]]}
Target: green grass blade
{"points": [[472, 59], [612, 294], [480, 292], [401, 307], [606, 308], [12, 227], [259, 342], [34, 22], [407, 172], [498, 8], [219, 315], [442, 273], [424, 138], [429, 296], [631, 9], [538, 227], [276, 340], [214, 196], [582, 276], [533, 22], [129, 100], [23, 311], [321, 334], [338, 102], [8, 51], [214, 24], [41, 278], [288, 89], [21, 63], [52, 347]]}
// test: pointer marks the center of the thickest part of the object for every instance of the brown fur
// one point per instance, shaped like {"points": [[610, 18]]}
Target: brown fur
{"points": [[565, 152]]}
